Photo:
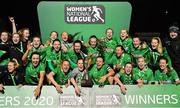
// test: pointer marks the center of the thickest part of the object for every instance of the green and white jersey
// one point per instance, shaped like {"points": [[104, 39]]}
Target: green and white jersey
{"points": [[53, 58], [54, 55], [96, 74], [61, 77], [110, 44], [125, 43], [171, 77], [145, 74], [155, 55], [110, 47], [120, 60], [127, 79], [71, 56], [139, 51], [32, 74], [41, 51], [93, 51], [66, 45], [79, 78], [166, 55]]}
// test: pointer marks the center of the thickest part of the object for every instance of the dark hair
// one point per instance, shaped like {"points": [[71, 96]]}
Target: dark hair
{"points": [[83, 62], [80, 59], [9, 36], [100, 57], [132, 67], [54, 32], [64, 60], [77, 41], [168, 67], [37, 37], [83, 48], [128, 63], [52, 48], [120, 47], [110, 29], [35, 53], [93, 36], [56, 40], [163, 58], [136, 37]]}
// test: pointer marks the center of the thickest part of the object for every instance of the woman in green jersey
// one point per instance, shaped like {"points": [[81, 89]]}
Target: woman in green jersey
{"points": [[63, 76], [101, 73], [166, 74], [142, 73]]}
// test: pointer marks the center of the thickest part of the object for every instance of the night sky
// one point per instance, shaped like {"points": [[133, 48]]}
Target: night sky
{"points": [[147, 15]]}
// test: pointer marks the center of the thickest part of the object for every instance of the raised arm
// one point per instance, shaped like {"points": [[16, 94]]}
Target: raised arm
{"points": [[24, 57], [13, 24]]}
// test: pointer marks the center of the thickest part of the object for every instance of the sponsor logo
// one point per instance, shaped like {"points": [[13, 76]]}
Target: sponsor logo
{"points": [[84, 14], [108, 100], [73, 101]]}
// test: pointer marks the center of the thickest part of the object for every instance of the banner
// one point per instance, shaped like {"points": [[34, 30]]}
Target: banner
{"points": [[148, 96], [88, 18]]}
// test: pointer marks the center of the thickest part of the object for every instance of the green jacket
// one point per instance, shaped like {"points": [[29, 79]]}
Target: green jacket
{"points": [[126, 79], [171, 77], [110, 47], [32, 74], [53, 58], [96, 74], [93, 51], [61, 77], [122, 60], [139, 51], [125, 43], [154, 57], [145, 74]]}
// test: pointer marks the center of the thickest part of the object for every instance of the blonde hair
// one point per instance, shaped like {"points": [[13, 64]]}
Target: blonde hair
{"points": [[16, 64], [125, 30], [159, 48], [20, 32]]}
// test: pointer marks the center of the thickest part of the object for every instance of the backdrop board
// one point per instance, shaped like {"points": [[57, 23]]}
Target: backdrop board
{"points": [[87, 18]]}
